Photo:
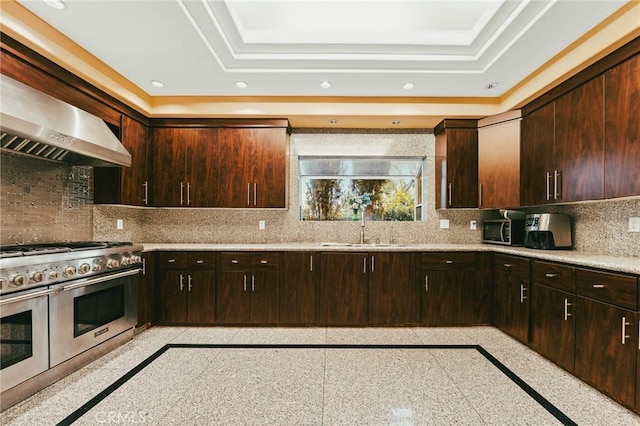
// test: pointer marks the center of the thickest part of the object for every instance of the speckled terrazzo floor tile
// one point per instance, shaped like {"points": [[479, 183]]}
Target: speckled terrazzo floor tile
{"points": [[581, 402], [491, 338], [212, 335], [261, 335], [493, 395], [442, 336], [391, 386], [372, 336], [256, 386], [152, 392]]}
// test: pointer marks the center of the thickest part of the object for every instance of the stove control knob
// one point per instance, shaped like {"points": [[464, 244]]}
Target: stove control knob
{"points": [[136, 259], [84, 268], [97, 267], [113, 263], [38, 277], [53, 275], [3, 283], [69, 271], [124, 261], [19, 280]]}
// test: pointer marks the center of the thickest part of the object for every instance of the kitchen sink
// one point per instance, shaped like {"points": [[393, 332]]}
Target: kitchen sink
{"points": [[363, 245]]}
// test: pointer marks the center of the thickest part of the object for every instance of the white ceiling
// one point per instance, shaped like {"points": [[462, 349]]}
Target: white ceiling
{"points": [[365, 48]]}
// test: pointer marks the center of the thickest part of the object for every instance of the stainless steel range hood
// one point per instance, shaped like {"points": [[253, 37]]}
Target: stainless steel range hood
{"points": [[33, 123]]}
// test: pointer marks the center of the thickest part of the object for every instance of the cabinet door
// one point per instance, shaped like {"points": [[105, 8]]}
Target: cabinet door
{"points": [[134, 179], [169, 167], [201, 297], [392, 290], [553, 324], [579, 142], [264, 297], [512, 305], [537, 156], [235, 187], [457, 168], [299, 288], [171, 296], [270, 167], [343, 289], [622, 132], [606, 347], [499, 165], [447, 298], [233, 297], [202, 167], [145, 290]]}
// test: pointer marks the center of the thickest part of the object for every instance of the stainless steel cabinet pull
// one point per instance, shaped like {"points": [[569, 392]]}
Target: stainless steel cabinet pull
{"points": [[373, 263], [566, 309], [181, 193], [426, 283], [508, 265], [181, 282], [248, 194], [234, 261], [264, 262], [598, 286], [548, 193], [311, 263], [188, 194], [522, 290], [189, 282], [364, 265], [145, 200], [550, 275], [448, 262], [199, 261], [255, 194], [245, 283], [624, 330], [480, 195], [253, 283], [557, 181], [144, 266], [450, 193]]}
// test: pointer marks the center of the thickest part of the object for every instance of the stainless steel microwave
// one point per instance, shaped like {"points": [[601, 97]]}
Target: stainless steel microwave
{"points": [[508, 232]]}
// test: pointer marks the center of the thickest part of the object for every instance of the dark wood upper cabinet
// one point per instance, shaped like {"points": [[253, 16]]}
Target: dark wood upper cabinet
{"points": [[537, 156], [622, 129], [169, 150], [456, 163], [253, 168], [499, 161], [126, 185], [579, 143]]}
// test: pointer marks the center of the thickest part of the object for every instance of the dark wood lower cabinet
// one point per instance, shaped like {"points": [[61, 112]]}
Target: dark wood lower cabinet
{"points": [[186, 297], [392, 290], [299, 286], [233, 305], [606, 348], [146, 290], [344, 289], [511, 295], [172, 306], [553, 324]]}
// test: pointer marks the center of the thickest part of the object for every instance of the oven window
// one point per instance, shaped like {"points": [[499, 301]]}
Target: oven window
{"points": [[16, 340], [97, 309]]}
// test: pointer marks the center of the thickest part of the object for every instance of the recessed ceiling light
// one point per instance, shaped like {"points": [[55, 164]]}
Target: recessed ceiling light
{"points": [[334, 121], [156, 83], [408, 86], [56, 4], [241, 84], [492, 85], [325, 84]]}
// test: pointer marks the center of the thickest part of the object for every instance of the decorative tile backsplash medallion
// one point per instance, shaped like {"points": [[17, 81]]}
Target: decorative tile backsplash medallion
{"points": [[44, 201]]}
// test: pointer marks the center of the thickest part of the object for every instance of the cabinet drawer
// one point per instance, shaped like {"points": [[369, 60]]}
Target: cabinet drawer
{"points": [[265, 261], [451, 260], [172, 260], [557, 276], [621, 290], [233, 261], [518, 266], [202, 260]]}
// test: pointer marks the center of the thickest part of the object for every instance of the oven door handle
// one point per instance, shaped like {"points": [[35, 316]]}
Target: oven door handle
{"points": [[27, 296], [98, 280]]}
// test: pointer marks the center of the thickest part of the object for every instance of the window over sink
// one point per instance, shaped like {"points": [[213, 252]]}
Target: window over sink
{"points": [[340, 188]]}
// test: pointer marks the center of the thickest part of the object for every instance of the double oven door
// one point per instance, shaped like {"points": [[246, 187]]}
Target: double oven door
{"points": [[24, 340], [87, 312]]}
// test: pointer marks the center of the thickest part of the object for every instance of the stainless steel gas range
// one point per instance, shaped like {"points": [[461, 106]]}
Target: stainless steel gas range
{"points": [[59, 300]]}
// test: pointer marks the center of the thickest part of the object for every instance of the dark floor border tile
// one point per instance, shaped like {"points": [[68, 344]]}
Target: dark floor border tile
{"points": [[552, 409]]}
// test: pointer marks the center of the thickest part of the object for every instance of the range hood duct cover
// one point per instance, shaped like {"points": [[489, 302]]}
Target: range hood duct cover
{"points": [[33, 123]]}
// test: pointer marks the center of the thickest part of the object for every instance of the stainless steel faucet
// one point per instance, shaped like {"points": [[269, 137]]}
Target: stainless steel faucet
{"points": [[362, 226]]}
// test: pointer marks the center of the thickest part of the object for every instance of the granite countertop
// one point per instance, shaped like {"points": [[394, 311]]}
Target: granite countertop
{"points": [[613, 263]]}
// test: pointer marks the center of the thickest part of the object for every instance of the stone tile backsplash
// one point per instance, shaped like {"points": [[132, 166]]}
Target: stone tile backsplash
{"points": [[44, 201]]}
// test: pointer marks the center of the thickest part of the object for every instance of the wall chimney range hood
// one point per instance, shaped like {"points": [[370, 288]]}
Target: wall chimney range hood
{"points": [[35, 124]]}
